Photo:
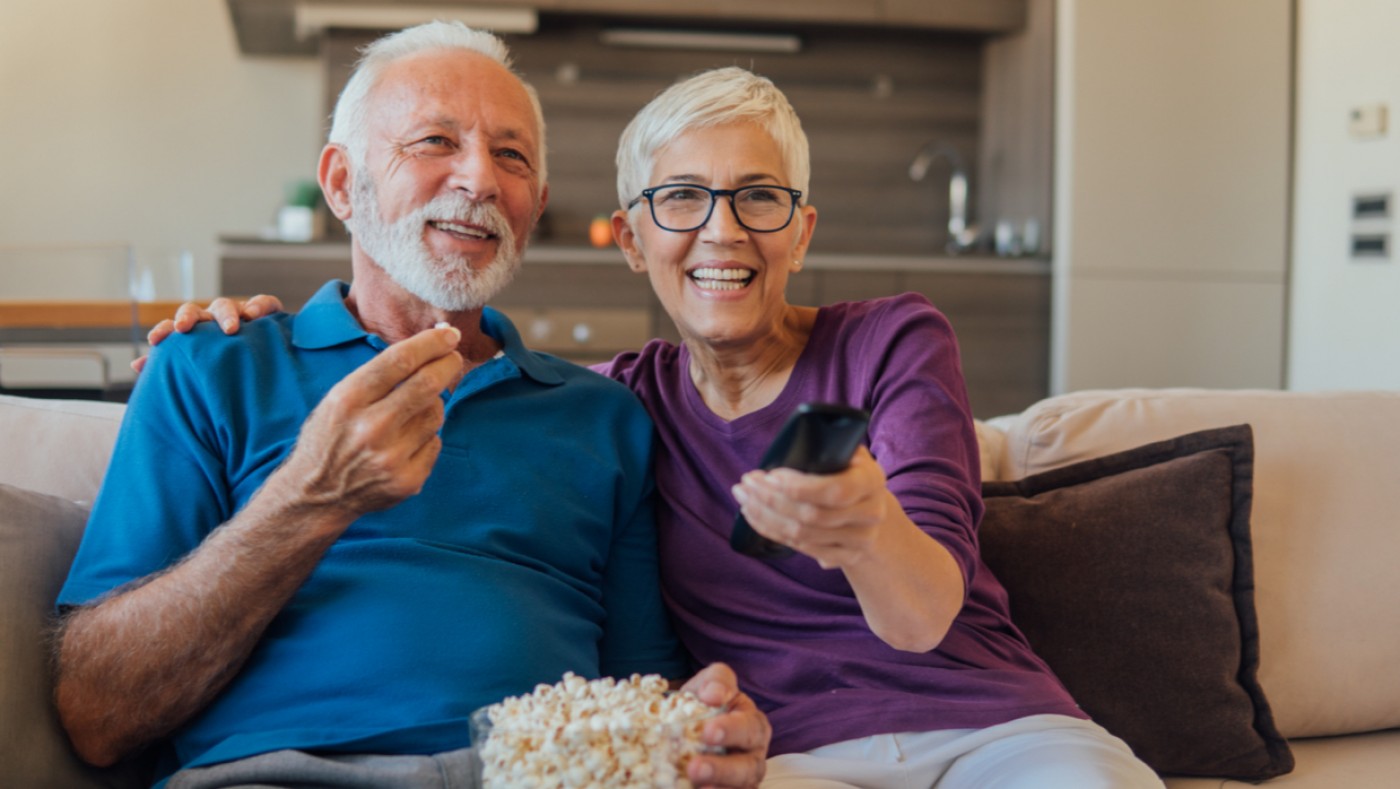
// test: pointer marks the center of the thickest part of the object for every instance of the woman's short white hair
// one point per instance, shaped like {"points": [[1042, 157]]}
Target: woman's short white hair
{"points": [[711, 98], [350, 121]]}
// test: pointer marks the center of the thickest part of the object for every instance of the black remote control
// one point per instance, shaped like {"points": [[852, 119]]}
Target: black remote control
{"points": [[819, 438]]}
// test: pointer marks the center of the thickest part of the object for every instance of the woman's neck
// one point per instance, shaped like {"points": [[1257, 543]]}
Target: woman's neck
{"points": [[735, 379]]}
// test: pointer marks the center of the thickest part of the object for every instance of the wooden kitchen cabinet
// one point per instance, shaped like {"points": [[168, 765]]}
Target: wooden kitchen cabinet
{"points": [[1001, 318], [875, 83], [999, 16], [586, 305], [810, 11], [1003, 327]]}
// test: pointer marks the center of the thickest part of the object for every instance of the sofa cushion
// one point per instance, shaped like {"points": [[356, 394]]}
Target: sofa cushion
{"points": [[1131, 575], [1352, 761], [1326, 529], [58, 447], [38, 537], [991, 445]]}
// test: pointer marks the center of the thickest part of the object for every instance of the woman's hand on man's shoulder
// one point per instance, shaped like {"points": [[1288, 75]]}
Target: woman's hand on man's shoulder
{"points": [[230, 314]]}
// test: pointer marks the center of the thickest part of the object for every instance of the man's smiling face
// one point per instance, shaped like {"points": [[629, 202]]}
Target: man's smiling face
{"points": [[448, 188]]}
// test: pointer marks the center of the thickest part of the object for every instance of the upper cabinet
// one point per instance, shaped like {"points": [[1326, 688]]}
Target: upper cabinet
{"points": [[270, 27], [986, 16]]}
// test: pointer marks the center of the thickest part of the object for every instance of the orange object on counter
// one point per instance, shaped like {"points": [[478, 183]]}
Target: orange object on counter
{"points": [[600, 231]]}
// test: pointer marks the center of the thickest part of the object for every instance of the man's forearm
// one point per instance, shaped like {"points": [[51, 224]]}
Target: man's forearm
{"points": [[136, 665]]}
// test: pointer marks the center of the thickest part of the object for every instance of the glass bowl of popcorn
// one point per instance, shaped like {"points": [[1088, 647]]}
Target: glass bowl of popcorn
{"points": [[621, 734]]}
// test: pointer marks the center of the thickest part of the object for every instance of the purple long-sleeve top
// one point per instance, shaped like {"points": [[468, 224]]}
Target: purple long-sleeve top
{"points": [[792, 631]]}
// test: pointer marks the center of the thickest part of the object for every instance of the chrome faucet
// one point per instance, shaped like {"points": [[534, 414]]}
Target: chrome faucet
{"points": [[961, 235]]}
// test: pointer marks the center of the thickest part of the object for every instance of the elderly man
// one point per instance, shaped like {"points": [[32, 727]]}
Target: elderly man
{"points": [[321, 546]]}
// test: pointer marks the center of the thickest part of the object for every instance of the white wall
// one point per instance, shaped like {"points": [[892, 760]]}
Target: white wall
{"points": [[139, 122], [1344, 326], [1171, 193]]}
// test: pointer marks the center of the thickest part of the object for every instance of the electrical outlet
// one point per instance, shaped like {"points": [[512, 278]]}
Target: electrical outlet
{"points": [[1371, 246], [1373, 205]]}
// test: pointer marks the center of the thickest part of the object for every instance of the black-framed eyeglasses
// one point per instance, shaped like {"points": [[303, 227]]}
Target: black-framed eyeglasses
{"points": [[681, 208]]}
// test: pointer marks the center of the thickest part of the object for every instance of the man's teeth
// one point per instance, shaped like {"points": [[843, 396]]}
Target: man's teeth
{"points": [[721, 278], [453, 227]]}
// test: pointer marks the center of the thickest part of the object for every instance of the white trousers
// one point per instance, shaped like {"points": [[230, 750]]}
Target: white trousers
{"points": [[1035, 752]]}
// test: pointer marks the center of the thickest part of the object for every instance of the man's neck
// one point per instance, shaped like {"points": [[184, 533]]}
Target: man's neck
{"points": [[384, 308]]}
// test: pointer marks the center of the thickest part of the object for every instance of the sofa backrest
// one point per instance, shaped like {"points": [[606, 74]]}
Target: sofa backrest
{"points": [[1326, 515], [57, 447], [52, 453], [1326, 528]]}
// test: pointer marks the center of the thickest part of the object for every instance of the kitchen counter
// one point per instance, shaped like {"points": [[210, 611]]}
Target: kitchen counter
{"points": [[332, 251]]}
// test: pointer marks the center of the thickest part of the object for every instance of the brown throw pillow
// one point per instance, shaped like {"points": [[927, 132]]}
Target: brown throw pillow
{"points": [[1132, 576]]}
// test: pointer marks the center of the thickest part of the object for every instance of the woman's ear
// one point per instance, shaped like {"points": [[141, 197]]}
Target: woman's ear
{"points": [[333, 173], [626, 239], [808, 215]]}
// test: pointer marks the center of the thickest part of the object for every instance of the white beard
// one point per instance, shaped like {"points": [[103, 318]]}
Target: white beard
{"points": [[448, 282]]}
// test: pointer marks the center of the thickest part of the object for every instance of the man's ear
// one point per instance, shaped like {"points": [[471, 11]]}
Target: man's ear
{"points": [[544, 201], [626, 240], [333, 173]]}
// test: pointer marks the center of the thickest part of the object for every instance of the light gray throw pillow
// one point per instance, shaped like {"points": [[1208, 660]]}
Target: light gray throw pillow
{"points": [[38, 536]]}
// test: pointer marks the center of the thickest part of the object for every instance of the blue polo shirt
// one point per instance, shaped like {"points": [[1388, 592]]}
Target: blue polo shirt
{"points": [[531, 550]]}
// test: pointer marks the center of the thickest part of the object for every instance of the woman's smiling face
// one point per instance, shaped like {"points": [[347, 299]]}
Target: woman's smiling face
{"points": [[721, 283]]}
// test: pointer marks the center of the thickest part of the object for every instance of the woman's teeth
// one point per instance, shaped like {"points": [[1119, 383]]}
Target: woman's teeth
{"points": [[721, 278]]}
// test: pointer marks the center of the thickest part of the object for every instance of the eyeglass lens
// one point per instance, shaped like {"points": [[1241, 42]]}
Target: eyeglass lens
{"points": [[682, 207]]}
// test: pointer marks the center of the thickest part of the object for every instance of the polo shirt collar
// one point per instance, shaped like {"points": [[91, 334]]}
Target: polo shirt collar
{"points": [[325, 322], [499, 327]]}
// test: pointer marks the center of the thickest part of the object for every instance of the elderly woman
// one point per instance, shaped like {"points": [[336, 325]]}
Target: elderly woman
{"points": [[882, 649]]}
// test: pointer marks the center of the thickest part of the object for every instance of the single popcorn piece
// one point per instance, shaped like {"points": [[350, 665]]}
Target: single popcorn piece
{"points": [[575, 734]]}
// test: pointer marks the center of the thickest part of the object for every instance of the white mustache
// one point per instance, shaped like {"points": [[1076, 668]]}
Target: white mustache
{"points": [[459, 209]]}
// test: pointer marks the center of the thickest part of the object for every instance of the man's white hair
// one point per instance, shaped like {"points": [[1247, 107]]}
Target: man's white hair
{"points": [[711, 98], [350, 121]]}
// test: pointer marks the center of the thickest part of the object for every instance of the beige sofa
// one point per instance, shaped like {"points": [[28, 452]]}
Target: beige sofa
{"points": [[1325, 541]]}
